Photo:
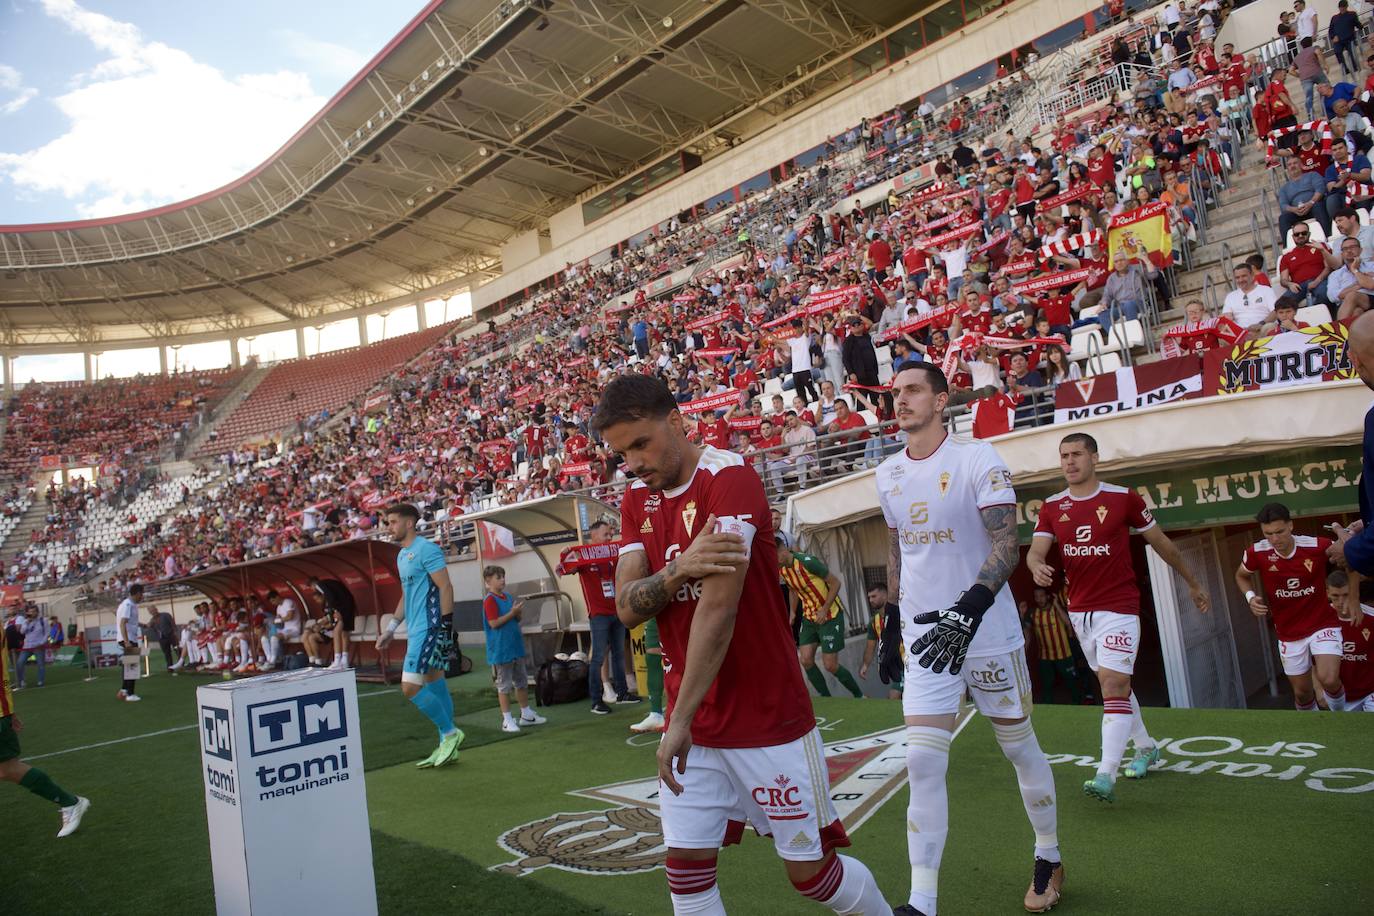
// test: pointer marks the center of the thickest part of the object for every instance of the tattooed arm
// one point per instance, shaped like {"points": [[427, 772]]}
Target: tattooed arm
{"points": [[639, 596], [1000, 522]]}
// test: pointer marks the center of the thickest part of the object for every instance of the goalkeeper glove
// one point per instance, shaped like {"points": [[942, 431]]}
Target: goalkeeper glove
{"points": [[946, 643]]}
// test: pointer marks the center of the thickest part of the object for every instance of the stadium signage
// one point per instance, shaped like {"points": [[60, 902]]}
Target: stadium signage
{"points": [[1292, 358], [282, 762], [1309, 482], [1128, 388], [628, 839], [1197, 755]]}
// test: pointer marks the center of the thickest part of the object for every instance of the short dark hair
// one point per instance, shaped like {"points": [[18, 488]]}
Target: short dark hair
{"points": [[599, 523], [878, 587], [938, 383], [1083, 439], [632, 397], [1337, 579], [493, 570], [1273, 512], [136, 590], [1348, 212], [1286, 301], [404, 510]]}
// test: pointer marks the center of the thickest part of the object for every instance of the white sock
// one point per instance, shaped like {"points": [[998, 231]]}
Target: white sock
{"points": [[1037, 784], [508, 716], [693, 887], [1139, 736], [526, 712], [245, 651], [343, 659], [1116, 731], [1336, 703], [266, 648], [847, 887], [927, 812]]}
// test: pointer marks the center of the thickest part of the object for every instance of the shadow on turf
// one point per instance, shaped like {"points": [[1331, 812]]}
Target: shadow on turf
{"points": [[412, 877]]}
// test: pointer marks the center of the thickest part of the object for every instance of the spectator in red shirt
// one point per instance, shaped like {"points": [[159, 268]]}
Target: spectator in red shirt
{"points": [[880, 256], [847, 444], [1303, 269]]}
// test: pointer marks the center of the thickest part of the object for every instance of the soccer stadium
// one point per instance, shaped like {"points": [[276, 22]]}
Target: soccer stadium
{"points": [[790, 451]]}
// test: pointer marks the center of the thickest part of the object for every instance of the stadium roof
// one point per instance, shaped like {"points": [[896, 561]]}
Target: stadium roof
{"points": [[477, 122]]}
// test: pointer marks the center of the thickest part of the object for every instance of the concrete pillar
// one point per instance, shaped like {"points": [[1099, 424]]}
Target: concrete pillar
{"points": [[300, 341], [162, 359], [7, 370], [86, 360], [235, 359], [420, 321], [362, 330]]}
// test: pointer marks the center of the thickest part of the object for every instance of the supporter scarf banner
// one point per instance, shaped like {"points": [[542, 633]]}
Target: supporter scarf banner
{"points": [[376, 402], [1145, 230], [685, 297], [1299, 357], [575, 469], [494, 448], [929, 193], [1022, 265], [954, 235], [583, 556], [1064, 197], [748, 424], [1190, 337], [1052, 281], [1072, 243], [830, 298], [711, 402], [1129, 388], [716, 352], [834, 258], [915, 324], [715, 318], [523, 395], [993, 242]]}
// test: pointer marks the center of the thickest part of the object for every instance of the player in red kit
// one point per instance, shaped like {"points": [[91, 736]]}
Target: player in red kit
{"points": [[1093, 522], [1292, 571], [1357, 646], [741, 740]]}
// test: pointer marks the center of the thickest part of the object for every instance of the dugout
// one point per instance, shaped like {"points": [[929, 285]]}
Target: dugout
{"points": [[367, 568], [1204, 467], [555, 618]]}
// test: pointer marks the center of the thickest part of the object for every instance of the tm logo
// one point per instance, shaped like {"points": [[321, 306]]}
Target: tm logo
{"points": [[284, 724], [214, 733]]}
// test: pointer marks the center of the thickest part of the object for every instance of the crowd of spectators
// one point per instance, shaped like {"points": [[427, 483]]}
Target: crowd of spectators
{"points": [[791, 342]]}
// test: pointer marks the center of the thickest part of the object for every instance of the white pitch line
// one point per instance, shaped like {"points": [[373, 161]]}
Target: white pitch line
{"points": [[165, 731]]}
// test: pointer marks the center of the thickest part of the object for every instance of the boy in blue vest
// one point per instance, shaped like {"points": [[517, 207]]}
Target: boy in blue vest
{"points": [[506, 649]]}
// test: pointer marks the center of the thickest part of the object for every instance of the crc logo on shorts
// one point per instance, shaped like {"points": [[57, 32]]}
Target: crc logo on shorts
{"points": [[990, 677], [1120, 641], [296, 722], [782, 796], [215, 737]]}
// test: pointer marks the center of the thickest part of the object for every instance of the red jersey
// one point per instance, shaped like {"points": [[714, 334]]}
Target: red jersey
{"points": [[1313, 160], [758, 698], [1357, 668], [997, 202], [915, 260], [716, 434], [1294, 587], [1303, 263], [595, 568], [1058, 309], [1094, 535], [576, 447], [1102, 170]]}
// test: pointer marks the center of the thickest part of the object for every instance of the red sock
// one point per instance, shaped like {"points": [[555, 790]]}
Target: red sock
{"points": [[691, 876], [821, 886]]}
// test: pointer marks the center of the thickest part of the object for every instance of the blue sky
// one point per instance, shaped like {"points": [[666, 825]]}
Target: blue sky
{"points": [[109, 107]]}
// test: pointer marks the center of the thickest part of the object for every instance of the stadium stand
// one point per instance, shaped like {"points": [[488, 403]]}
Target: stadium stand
{"points": [[302, 388]]}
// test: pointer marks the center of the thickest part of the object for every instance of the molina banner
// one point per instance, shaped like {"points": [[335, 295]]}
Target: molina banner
{"points": [[1129, 388], [1292, 358], [1141, 231]]}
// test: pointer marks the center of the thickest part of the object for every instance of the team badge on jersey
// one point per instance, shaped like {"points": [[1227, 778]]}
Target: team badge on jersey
{"points": [[1307, 564], [1101, 513], [944, 482], [689, 516]]}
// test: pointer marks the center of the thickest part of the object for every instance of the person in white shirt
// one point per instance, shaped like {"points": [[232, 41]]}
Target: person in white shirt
{"points": [[1171, 16], [799, 348], [128, 632], [284, 627], [1249, 304], [1307, 21], [1349, 286]]}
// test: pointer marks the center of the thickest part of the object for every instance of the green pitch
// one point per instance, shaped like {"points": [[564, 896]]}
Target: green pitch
{"points": [[1254, 812]]}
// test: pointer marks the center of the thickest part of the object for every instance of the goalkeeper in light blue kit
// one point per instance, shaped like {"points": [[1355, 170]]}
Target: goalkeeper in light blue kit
{"points": [[426, 599]]}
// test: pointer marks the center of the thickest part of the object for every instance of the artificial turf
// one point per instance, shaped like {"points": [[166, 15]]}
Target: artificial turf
{"points": [[1252, 829]]}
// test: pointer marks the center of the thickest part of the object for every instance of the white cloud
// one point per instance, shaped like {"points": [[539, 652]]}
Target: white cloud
{"points": [[149, 125], [12, 81], [326, 58]]}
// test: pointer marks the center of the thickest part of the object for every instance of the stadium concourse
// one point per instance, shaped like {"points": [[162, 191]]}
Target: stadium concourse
{"points": [[1063, 230]]}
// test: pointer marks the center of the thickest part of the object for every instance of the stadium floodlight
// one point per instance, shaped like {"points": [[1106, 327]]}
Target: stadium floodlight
{"points": [[667, 22], [429, 189], [483, 151]]}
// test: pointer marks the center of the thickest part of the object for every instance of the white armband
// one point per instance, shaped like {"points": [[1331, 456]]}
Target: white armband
{"points": [[392, 626], [1249, 596], [738, 524]]}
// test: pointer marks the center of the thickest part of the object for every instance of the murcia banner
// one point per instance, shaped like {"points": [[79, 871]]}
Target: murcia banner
{"points": [[1292, 358]]}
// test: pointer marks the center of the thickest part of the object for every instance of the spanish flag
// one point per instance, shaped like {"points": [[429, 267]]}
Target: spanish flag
{"points": [[1145, 229]]}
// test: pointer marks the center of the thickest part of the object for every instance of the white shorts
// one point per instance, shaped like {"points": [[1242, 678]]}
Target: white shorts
{"points": [[1108, 639], [1297, 655], [999, 685], [783, 790]]}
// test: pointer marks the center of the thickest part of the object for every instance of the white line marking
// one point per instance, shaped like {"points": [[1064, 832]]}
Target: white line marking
{"points": [[165, 731]]}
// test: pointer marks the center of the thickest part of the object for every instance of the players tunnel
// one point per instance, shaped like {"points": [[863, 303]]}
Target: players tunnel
{"points": [[1204, 469]]}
